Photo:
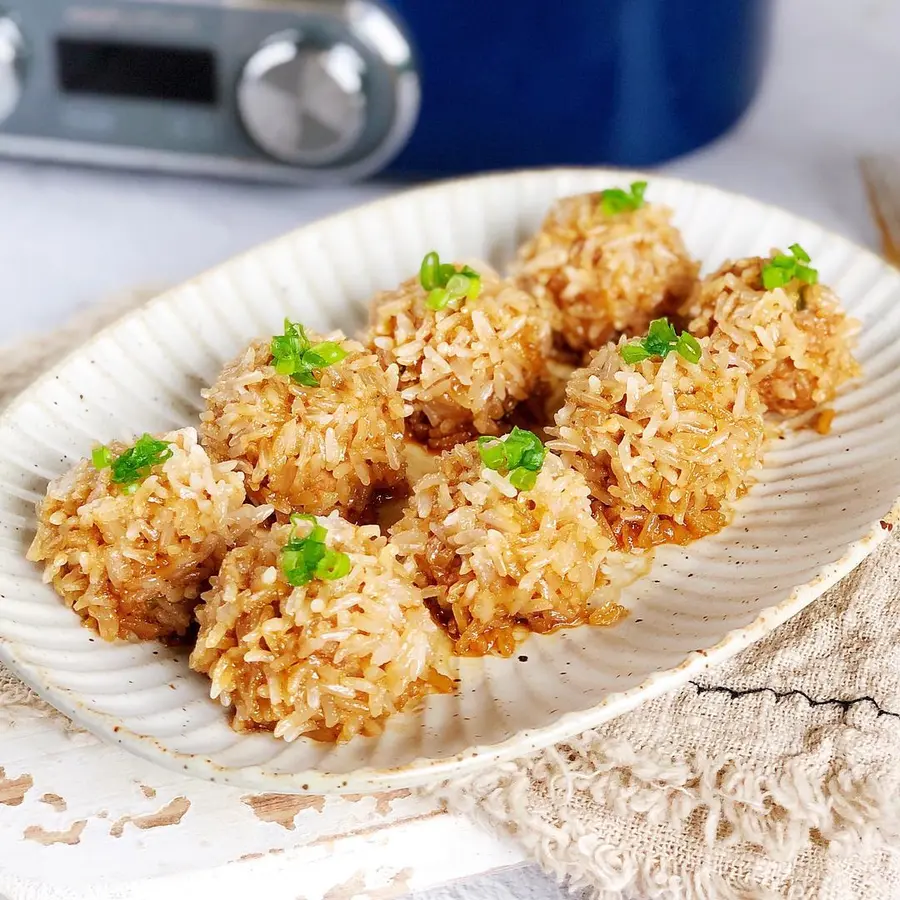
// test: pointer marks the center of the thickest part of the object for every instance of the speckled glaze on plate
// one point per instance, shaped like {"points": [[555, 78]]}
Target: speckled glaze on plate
{"points": [[820, 506]]}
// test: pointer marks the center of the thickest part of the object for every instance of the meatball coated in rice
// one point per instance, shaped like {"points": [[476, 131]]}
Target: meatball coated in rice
{"points": [[494, 560], [464, 368], [665, 445], [308, 449], [133, 564], [794, 341], [605, 274], [327, 660]]}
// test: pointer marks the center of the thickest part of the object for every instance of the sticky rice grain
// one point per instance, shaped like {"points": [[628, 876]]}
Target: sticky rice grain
{"points": [[496, 563], [308, 449], [795, 342], [665, 445], [605, 275], [328, 660], [133, 565]]}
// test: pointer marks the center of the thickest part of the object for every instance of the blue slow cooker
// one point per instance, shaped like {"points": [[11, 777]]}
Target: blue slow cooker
{"points": [[508, 83], [318, 91]]}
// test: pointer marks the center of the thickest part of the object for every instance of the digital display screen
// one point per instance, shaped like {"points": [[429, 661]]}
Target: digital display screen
{"points": [[136, 70]]}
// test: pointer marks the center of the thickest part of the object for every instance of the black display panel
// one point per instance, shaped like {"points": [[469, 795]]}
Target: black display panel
{"points": [[136, 70]]}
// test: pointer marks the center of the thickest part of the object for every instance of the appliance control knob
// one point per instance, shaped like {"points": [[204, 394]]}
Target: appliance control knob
{"points": [[12, 70], [304, 104], [338, 100]]}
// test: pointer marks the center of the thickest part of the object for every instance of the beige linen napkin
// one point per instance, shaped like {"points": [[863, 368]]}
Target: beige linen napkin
{"points": [[776, 775]]}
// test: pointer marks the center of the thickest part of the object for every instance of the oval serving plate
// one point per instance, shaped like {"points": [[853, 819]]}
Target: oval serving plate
{"points": [[820, 506]]}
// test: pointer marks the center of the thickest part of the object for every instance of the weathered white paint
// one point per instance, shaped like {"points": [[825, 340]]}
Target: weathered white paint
{"points": [[329, 849]]}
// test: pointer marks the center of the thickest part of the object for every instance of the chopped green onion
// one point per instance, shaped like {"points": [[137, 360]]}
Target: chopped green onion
{"points": [[288, 348], [325, 354], [294, 355], [445, 283], [130, 468], [799, 253], [492, 453], [101, 457], [533, 459], [457, 286], [782, 269], [660, 341], [774, 277], [305, 377], [333, 565], [615, 200], [660, 337], [291, 562], [634, 353], [523, 479], [428, 271], [317, 533], [444, 273], [689, 347], [474, 289], [437, 298], [521, 453], [523, 448], [303, 559]]}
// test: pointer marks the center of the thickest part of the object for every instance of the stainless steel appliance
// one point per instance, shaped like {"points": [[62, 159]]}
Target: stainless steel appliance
{"points": [[331, 90], [304, 90]]}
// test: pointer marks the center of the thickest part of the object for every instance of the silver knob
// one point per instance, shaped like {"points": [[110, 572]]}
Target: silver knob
{"points": [[304, 104], [12, 72], [338, 95]]}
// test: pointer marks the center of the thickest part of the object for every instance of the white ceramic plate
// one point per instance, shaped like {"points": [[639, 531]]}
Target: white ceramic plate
{"points": [[816, 512]]}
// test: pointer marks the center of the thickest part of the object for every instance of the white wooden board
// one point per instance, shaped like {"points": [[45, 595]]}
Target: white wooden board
{"points": [[80, 819]]}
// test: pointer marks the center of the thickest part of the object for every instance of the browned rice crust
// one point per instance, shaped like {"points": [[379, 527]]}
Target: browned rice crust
{"points": [[494, 562], [463, 369], [308, 449], [133, 565], [604, 274], [795, 342], [665, 445], [328, 660]]}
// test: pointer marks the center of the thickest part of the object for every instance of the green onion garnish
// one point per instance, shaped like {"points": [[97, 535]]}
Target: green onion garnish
{"points": [[102, 458], [523, 479], [689, 347], [660, 341], [293, 354], [615, 200], [428, 270], [303, 559], [131, 467], [445, 283], [782, 269], [520, 453]]}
